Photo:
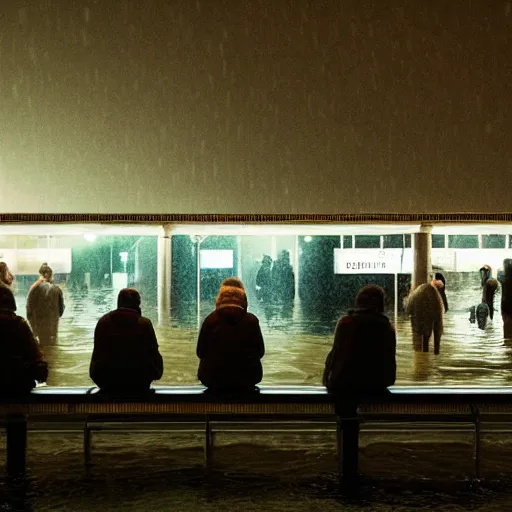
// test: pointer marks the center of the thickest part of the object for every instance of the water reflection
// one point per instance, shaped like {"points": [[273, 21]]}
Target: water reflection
{"points": [[298, 338]]}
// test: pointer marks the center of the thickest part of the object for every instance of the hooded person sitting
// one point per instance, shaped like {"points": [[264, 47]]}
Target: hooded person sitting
{"points": [[362, 359], [230, 344], [125, 359], [21, 360]]}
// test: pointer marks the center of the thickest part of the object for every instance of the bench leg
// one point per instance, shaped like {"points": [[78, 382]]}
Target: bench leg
{"points": [[87, 445], [209, 444], [16, 431], [348, 448], [477, 455]]}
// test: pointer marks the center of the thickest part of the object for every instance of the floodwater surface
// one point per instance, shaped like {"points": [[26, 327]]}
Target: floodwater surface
{"points": [[297, 340]]}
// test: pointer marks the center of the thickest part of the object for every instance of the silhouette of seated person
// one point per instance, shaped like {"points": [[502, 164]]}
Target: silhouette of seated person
{"points": [[21, 361], [362, 361], [125, 360], [230, 344], [506, 298]]}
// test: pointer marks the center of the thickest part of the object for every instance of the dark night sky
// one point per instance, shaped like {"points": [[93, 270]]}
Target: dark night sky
{"points": [[269, 106]]}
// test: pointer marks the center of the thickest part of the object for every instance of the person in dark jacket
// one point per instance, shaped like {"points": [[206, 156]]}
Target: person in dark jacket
{"points": [[362, 359], [230, 344], [21, 361], [506, 298], [125, 359], [362, 362], [45, 306], [442, 289], [264, 280], [6, 277], [283, 278]]}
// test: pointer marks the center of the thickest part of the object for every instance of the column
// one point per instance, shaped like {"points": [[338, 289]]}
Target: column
{"points": [[239, 257], [296, 266], [422, 247], [164, 271]]}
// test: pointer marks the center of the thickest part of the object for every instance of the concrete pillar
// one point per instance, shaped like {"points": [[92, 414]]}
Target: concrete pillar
{"points": [[296, 265], [164, 271], [239, 257], [422, 247]]}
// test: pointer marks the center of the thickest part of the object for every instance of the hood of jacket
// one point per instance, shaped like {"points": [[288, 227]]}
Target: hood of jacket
{"points": [[231, 303]]}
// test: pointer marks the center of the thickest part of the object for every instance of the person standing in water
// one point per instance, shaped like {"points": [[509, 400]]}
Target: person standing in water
{"points": [[264, 280], [45, 306]]}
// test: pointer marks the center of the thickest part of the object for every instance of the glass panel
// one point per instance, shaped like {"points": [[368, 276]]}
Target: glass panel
{"points": [[463, 241], [297, 315], [347, 242], [493, 241], [367, 242], [438, 241], [393, 241]]}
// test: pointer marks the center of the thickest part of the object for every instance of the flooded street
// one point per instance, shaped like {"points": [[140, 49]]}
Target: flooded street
{"points": [[164, 472], [297, 340]]}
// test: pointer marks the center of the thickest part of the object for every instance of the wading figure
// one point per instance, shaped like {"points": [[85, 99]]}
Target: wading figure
{"points": [[6, 278], [425, 307], [506, 298], [442, 289], [485, 309], [264, 280], [45, 306], [283, 278]]}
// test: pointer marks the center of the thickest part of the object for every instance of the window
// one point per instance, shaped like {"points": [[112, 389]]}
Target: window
{"points": [[437, 241], [367, 241], [395, 241], [493, 241], [347, 242], [463, 241]]}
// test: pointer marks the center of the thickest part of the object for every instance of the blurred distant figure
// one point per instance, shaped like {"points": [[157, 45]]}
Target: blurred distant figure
{"points": [[21, 361], [442, 289], [485, 309], [45, 306], [230, 344], [362, 361], [125, 359], [6, 278], [425, 307], [506, 298], [264, 280], [283, 278]]}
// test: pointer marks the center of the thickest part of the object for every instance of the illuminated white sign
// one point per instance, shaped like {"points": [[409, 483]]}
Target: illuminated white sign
{"points": [[216, 258], [28, 261], [372, 261]]}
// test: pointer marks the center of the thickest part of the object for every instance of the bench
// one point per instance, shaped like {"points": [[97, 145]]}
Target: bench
{"points": [[274, 409]]}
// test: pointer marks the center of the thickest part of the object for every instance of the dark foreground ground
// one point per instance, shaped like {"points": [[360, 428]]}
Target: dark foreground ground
{"points": [[286, 473]]}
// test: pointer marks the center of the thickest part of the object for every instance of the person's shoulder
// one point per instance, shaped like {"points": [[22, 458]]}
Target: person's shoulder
{"points": [[19, 321], [145, 321], [251, 318], [106, 317], [346, 320]]}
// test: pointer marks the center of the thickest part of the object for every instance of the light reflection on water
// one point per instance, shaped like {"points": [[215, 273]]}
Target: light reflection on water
{"points": [[297, 340]]}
